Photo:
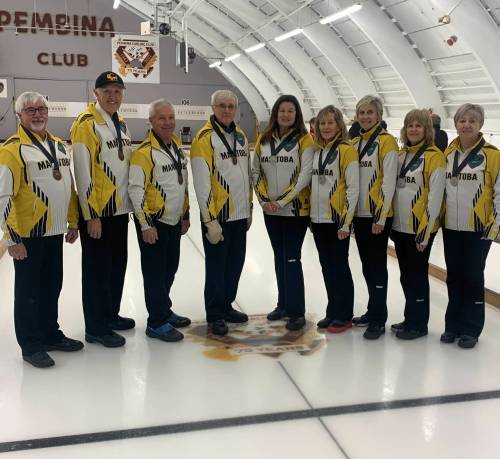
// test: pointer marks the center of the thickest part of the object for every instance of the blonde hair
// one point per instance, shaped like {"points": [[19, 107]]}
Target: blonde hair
{"points": [[337, 116], [371, 100], [422, 117], [477, 111]]}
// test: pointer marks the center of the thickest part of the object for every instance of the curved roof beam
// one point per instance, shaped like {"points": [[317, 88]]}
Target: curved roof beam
{"points": [[289, 50], [268, 65], [334, 49], [238, 79], [467, 18], [391, 43]]}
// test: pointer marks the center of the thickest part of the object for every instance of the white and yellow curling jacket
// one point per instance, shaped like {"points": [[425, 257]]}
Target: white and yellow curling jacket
{"points": [[154, 188], [286, 177], [223, 189], [418, 204], [334, 200], [474, 204], [101, 176], [32, 202], [377, 175]]}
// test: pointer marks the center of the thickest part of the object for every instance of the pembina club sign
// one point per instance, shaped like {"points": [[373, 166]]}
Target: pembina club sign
{"points": [[136, 59]]}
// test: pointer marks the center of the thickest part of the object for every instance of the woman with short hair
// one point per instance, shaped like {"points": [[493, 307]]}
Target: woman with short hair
{"points": [[417, 203], [334, 195], [471, 222], [378, 163]]}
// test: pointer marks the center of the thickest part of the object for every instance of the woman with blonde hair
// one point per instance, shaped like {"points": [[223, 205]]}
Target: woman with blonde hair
{"points": [[334, 195], [417, 203], [378, 164], [471, 222]]}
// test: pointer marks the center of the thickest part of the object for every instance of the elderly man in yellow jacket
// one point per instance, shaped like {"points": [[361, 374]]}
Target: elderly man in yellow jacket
{"points": [[37, 204], [158, 189], [220, 162], [101, 150]]}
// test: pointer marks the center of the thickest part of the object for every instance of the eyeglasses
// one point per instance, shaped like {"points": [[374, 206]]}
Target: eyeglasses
{"points": [[32, 110], [226, 107]]}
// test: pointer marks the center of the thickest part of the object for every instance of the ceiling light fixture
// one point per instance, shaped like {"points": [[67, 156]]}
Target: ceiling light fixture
{"points": [[255, 47], [233, 57], [215, 64], [341, 14], [292, 33], [116, 4]]}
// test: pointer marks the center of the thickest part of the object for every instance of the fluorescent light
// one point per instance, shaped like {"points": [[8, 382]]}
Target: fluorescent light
{"points": [[233, 57], [215, 64], [255, 47], [292, 33], [342, 13], [116, 4]]}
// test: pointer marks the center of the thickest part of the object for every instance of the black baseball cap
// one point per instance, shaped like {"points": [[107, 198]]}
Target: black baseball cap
{"points": [[106, 78]]}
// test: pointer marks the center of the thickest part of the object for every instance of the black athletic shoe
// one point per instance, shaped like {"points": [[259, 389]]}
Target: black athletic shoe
{"points": [[219, 327], [295, 323], [277, 314], [64, 345], [111, 339], [374, 331], [410, 334], [323, 323], [400, 326], [122, 323], [448, 337], [235, 317], [361, 321], [467, 341], [166, 333], [39, 360]]}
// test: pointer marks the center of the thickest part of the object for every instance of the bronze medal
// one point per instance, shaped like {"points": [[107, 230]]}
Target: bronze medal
{"points": [[322, 179], [454, 181], [234, 159], [401, 182], [56, 173]]}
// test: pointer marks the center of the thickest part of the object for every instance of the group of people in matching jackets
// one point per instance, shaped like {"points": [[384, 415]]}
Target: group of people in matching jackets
{"points": [[330, 184]]}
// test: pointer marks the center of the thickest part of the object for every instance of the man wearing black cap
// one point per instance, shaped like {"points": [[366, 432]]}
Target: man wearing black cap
{"points": [[101, 151]]}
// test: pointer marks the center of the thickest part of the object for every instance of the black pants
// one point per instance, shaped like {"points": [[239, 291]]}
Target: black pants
{"points": [[373, 253], [223, 266], [104, 262], [334, 259], [465, 255], [159, 263], [38, 283], [414, 269], [287, 236]]}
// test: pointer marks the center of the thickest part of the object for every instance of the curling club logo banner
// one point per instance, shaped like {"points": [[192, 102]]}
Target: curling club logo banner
{"points": [[136, 59]]}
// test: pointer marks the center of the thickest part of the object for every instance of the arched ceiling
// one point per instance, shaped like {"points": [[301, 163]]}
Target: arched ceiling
{"points": [[396, 49]]}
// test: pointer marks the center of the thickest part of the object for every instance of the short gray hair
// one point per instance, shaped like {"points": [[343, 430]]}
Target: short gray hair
{"points": [[156, 104], [223, 93], [371, 100], [476, 110], [27, 98]]}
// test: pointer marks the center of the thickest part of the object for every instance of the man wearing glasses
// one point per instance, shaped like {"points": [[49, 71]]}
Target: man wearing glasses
{"points": [[220, 163], [37, 204], [101, 151]]}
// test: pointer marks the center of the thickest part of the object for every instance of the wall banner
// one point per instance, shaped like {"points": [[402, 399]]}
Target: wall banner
{"points": [[136, 59]]}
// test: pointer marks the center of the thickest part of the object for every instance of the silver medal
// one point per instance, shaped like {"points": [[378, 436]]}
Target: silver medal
{"points": [[273, 158], [401, 183], [454, 181], [322, 179]]}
